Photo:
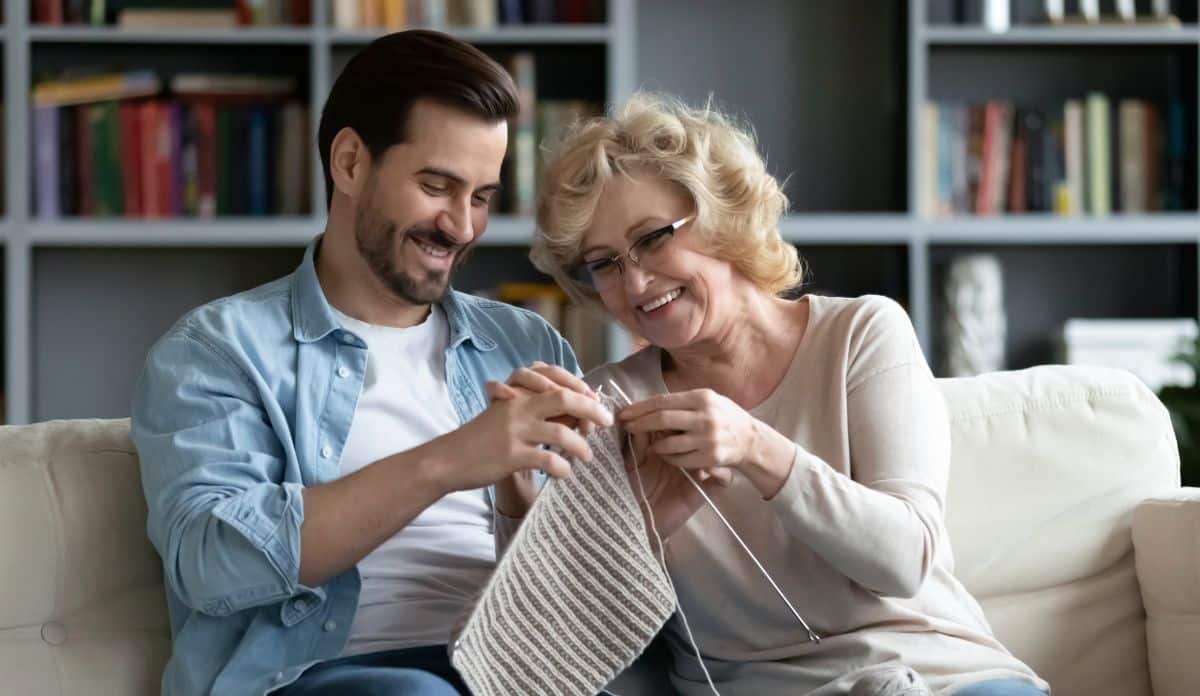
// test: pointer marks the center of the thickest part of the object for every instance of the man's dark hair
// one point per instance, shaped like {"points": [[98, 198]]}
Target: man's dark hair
{"points": [[380, 84]]}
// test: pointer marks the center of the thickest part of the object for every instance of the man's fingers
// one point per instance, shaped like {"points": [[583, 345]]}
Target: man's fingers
{"points": [[557, 435], [531, 380], [563, 378], [554, 465], [498, 391], [568, 403]]}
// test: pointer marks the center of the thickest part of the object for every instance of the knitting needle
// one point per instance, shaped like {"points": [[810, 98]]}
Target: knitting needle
{"points": [[811, 634]]}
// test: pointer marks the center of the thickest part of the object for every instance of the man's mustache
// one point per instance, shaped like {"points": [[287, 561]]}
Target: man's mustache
{"points": [[435, 237]]}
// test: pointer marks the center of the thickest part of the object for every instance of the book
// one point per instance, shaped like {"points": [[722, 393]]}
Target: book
{"points": [[149, 19], [231, 87], [45, 143], [1073, 143], [523, 154], [1099, 155], [65, 92]]}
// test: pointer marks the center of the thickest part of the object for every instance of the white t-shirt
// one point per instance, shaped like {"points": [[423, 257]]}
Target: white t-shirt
{"points": [[417, 583]]}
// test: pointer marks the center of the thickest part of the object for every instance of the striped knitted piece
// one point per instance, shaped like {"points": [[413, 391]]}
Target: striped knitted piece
{"points": [[578, 594]]}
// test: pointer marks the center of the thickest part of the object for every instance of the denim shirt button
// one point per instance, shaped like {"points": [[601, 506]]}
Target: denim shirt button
{"points": [[330, 625], [326, 452], [343, 372]]}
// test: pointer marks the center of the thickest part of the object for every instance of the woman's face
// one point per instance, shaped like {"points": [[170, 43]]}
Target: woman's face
{"points": [[671, 297]]}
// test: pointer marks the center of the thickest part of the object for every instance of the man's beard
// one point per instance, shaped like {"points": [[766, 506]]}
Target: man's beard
{"points": [[376, 240]]}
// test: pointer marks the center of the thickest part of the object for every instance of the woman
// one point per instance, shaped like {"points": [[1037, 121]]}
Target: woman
{"points": [[815, 422]]}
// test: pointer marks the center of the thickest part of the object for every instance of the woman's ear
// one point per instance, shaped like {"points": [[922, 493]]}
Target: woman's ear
{"points": [[349, 162]]}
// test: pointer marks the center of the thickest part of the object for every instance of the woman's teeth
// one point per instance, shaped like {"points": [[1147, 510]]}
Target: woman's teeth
{"points": [[430, 249], [655, 304]]}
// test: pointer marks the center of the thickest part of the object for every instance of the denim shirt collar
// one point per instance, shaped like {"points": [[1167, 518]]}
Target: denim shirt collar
{"points": [[313, 319]]}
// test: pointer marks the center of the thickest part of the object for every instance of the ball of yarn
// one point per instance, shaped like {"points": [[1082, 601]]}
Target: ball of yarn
{"points": [[895, 680]]}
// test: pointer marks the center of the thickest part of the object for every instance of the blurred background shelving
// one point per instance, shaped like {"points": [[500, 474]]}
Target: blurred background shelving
{"points": [[839, 93]]}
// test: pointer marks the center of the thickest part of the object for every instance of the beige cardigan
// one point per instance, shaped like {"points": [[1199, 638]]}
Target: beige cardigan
{"points": [[856, 536]]}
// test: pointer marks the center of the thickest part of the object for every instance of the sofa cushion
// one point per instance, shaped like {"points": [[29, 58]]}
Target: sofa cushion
{"points": [[84, 609], [1047, 467]]}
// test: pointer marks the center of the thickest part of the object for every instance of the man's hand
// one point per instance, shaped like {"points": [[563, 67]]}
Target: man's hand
{"points": [[516, 493], [506, 437]]}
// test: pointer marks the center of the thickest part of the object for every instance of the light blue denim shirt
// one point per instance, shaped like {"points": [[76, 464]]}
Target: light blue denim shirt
{"points": [[243, 403]]}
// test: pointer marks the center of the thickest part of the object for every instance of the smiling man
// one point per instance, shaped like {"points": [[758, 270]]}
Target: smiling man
{"points": [[323, 457]]}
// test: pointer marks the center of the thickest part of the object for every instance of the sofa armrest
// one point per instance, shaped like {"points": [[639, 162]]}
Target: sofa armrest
{"points": [[1166, 544]]}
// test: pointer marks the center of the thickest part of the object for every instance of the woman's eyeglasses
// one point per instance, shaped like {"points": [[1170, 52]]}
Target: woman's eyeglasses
{"points": [[601, 273]]}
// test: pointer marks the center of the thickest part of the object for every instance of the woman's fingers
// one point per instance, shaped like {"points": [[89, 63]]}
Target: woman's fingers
{"points": [[664, 420], [674, 445]]}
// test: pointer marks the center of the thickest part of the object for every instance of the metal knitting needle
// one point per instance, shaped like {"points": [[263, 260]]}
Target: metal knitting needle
{"points": [[812, 635]]}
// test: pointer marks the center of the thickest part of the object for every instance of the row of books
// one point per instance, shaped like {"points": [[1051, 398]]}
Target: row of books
{"points": [[477, 14], [1086, 156], [999, 15], [173, 14], [209, 150], [539, 122]]}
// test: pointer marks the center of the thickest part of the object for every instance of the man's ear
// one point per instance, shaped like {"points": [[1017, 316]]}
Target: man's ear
{"points": [[349, 162]]}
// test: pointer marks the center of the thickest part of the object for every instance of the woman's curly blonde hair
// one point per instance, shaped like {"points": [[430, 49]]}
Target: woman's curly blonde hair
{"points": [[738, 204]]}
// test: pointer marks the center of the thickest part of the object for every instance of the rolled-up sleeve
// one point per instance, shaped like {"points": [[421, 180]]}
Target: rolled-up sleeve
{"points": [[222, 518]]}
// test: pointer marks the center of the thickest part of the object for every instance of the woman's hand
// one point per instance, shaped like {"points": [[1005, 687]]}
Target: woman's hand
{"points": [[672, 498], [701, 430]]}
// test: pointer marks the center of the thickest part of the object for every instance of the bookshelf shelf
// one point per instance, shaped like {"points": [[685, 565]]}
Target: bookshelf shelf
{"points": [[1132, 35], [115, 35], [503, 35], [1048, 229], [847, 229], [236, 232]]}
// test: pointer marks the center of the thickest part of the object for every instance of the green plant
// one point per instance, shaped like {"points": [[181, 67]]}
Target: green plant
{"points": [[1183, 403]]}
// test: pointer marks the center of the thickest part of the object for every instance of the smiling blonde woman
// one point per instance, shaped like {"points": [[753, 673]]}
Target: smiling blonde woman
{"points": [[814, 423]]}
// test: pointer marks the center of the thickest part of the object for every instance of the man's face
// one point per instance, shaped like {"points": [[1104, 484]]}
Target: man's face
{"points": [[426, 200]]}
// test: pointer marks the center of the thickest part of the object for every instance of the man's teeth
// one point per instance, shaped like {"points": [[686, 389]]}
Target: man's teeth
{"points": [[431, 250], [651, 306]]}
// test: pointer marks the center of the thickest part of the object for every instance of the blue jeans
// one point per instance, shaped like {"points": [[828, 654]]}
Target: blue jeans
{"points": [[424, 671], [1001, 687]]}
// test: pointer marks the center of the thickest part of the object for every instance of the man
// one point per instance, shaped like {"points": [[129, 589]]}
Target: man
{"points": [[319, 453]]}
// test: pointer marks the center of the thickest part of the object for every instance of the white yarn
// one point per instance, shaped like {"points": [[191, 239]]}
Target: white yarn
{"points": [[662, 556]]}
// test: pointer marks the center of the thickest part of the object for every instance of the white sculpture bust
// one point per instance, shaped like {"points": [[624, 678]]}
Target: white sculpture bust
{"points": [[974, 326]]}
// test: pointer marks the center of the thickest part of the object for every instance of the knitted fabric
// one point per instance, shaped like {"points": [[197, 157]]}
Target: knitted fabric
{"points": [[578, 594]]}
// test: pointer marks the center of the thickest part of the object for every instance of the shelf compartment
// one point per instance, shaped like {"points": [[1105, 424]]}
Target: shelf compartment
{"points": [[91, 335], [1045, 284]]}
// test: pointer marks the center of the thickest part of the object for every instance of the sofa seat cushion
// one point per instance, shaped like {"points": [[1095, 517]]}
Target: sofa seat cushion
{"points": [[84, 609]]}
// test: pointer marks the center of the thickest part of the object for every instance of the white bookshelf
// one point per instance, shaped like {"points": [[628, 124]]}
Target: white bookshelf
{"points": [[901, 231], [1098, 35], [1003, 231], [23, 236]]}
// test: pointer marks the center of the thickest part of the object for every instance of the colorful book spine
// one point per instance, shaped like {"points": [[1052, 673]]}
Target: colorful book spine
{"points": [[45, 139]]}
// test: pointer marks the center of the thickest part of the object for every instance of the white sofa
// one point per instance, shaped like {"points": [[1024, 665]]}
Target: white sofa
{"points": [[1058, 476]]}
